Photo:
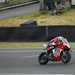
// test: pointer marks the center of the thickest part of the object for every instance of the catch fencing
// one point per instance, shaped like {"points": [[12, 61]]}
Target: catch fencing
{"points": [[37, 33]]}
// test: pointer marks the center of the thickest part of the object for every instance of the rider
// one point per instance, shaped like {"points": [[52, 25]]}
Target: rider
{"points": [[54, 43]]}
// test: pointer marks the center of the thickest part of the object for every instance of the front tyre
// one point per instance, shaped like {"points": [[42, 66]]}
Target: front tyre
{"points": [[66, 57], [43, 59]]}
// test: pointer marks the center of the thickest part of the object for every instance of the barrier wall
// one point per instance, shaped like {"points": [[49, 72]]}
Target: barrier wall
{"points": [[41, 33]]}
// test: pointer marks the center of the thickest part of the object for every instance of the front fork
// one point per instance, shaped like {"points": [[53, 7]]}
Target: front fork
{"points": [[50, 54]]}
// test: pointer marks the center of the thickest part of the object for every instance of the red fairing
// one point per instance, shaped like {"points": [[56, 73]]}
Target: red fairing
{"points": [[62, 46], [58, 58]]}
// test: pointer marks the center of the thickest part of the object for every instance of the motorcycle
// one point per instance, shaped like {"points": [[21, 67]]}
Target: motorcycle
{"points": [[60, 53]]}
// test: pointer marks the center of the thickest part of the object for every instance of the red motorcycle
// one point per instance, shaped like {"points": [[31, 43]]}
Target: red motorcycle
{"points": [[56, 54]]}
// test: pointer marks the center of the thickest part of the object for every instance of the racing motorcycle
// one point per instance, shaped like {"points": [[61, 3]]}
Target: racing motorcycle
{"points": [[57, 54]]}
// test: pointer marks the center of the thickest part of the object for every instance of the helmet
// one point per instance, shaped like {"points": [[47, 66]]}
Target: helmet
{"points": [[60, 38]]}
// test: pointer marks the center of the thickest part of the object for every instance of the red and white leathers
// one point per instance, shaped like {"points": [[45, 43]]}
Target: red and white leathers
{"points": [[57, 41]]}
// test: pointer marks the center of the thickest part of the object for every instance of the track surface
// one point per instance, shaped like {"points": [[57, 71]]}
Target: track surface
{"points": [[24, 10], [26, 61]]}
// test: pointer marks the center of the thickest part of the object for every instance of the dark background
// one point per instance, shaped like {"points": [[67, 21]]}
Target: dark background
{"points": [[36, 33]]}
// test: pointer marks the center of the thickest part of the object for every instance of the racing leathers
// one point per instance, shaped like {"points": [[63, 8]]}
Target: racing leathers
{"points": [[57, 41]]}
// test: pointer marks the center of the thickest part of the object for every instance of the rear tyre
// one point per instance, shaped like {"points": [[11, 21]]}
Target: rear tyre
{"points": [[43, 59], [66, 57]]}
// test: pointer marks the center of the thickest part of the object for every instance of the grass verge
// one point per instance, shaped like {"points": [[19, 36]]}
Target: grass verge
{"points": [[26, 44], [43, 19]]}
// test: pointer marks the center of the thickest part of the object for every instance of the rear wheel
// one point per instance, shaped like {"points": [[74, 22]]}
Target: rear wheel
{"points": [[66, 57], [43, 59]]}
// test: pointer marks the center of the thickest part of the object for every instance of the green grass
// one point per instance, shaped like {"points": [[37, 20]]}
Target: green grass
{"points": [[25, 44], [21, 44], [43, 19]]}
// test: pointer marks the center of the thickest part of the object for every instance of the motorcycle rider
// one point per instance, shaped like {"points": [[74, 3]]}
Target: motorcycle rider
{"points": [[54, 43], [58, 50]]}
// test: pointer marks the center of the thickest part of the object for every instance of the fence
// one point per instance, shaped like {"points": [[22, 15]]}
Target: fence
{"points": [[41, 33]]}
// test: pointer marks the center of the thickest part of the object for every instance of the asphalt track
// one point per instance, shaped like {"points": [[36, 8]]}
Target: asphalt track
{"points": [[19, 11], [26, 61]]}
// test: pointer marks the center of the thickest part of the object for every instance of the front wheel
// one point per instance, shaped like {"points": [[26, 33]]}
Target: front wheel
{"points": [[66, 57], [43, 59]]}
